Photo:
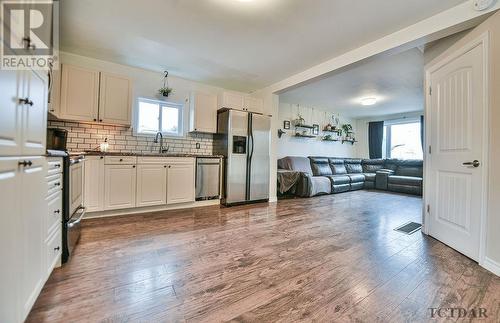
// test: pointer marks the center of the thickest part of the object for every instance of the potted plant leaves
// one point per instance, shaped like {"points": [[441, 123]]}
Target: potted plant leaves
{"points": [[347, 128], [165, 91]]}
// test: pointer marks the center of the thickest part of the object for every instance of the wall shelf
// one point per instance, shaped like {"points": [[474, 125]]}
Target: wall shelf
{"points": [[304, 126], [304, 136], [351, 141], [330, 140]]}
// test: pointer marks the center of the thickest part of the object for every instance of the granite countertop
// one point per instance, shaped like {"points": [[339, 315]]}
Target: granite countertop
{"points": [[111, 153]]}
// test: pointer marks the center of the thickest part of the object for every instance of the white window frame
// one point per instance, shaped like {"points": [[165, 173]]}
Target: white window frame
{"points": [[161, 104], [387, 125]]}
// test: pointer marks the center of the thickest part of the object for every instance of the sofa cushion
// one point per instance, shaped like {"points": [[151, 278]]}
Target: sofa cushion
{"points": [[353, 166], [339, 179], [372, 165], [405, 180], [370, 177], [410, 171], [320, 166], [391, 164], [356, 178], [299, 164], [337, 166]]}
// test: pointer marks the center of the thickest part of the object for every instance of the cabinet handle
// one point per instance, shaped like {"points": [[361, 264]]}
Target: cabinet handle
{"points": [[25, 163], [57, 165], [57, 248], [57, 184], [102, 157], [121, 159], [100, 120], [165, 166], [133, 166], [169, 166], [95, 119], [57, 211]]}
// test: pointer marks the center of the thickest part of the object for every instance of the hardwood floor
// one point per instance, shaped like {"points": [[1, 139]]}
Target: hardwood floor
{"points": [[330, 258]]}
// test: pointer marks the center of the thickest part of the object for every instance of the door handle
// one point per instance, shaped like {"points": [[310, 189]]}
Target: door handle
{"points": [[474, 164]]}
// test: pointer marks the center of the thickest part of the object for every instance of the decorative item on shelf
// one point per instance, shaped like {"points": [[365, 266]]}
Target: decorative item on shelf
{"points": [[315, 129], [335, 122], [165, 90], [347, 129], [281, 133], [300, 121], [329, 138], [286, 124]]}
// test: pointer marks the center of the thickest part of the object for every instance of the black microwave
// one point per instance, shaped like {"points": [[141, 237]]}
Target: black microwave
{"points": [[56, 139]]}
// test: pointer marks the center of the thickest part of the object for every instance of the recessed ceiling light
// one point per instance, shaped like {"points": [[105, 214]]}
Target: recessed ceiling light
{"points": [[368, 101]]}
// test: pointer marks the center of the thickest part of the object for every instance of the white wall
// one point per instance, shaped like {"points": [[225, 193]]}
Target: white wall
{"points": [[288, 145], [363, 150]]}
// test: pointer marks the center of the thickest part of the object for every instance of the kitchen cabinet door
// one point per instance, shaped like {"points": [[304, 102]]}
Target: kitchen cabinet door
{"points": [[254, 104], [10, 112], [34, 129], [203, 113], [232, 100], [115, 101], [79, 93], [33, 208], [93, 196], [151, 185], [180, 183], [119, 186], [10, 247]]}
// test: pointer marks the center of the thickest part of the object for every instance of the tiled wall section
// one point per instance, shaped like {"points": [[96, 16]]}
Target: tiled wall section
{"points": [[83, 137]]}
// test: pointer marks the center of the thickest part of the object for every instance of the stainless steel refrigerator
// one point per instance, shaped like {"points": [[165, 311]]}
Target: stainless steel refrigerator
{"points": [[243, 138]]}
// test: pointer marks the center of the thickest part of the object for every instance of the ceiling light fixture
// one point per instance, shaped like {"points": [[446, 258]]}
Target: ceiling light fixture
{"points": [[368, 101]]}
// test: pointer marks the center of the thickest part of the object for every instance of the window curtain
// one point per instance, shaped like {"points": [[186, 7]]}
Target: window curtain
{"points": [[375, 138], [422, 132]]}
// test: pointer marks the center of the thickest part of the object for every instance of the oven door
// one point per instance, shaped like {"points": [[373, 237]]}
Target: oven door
{"points": [[75, 184], [74, 228]]}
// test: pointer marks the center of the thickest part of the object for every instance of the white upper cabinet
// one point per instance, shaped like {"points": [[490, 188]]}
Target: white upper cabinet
{"points": [[23, 113], [240, 101], [232, 100], [93, 96], [115, 100], [10, 112], [203, 112], [79, 93], [254, 104], [35, 114]]}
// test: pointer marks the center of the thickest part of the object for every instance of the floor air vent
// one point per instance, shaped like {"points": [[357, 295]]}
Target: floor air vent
{"points": [[409, 228]]}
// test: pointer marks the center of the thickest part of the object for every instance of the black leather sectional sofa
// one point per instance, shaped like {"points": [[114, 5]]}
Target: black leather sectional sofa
{"points": [[326, 175]]}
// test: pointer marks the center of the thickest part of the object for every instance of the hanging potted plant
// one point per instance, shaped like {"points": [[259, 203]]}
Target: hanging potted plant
{"points": [[165, 91]]}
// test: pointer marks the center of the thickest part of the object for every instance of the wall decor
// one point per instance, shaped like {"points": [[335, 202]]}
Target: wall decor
{"points": [[286, 124], [315, 130]]}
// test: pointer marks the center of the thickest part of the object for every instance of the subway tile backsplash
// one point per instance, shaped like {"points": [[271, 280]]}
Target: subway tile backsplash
{"points": [[83, 136]]}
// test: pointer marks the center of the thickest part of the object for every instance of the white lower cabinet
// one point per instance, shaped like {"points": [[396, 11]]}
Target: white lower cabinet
{"points": [[119, 186], [151, 184], [180, 182], [93, 195]]}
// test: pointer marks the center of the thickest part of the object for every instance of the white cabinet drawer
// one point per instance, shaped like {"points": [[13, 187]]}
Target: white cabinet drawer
{"points": [[54, 166], [54, 184], [117, 160], [151, 160], [53, 248], [54, 215]]}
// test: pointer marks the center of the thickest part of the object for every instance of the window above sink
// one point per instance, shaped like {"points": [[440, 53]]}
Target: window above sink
{"points": [[159, 116]]}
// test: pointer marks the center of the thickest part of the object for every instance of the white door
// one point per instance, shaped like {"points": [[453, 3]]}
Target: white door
{"points": [[33, 209], [10, 112], [34, 130], [79, 93], [115, 99], [457, 116], [151, 185], [119, 186], [10, 248], [93, 183], [180, 183]]}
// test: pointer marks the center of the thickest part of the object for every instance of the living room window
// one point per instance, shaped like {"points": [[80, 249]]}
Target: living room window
{"points": [[159, 116], [402, 140]]}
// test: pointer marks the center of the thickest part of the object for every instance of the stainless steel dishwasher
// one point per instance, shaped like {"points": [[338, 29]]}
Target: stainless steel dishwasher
{"points": [[208, 178]]}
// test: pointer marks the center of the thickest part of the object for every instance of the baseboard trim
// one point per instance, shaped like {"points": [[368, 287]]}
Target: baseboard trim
{"points": [[138, 210], [491, 265]]}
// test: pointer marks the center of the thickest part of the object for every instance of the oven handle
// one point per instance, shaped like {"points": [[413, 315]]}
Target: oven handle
{"points": [[76, 161], [77, 221]]}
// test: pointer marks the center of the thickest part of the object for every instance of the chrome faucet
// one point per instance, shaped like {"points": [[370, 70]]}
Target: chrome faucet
{"points": [[161, 150]]}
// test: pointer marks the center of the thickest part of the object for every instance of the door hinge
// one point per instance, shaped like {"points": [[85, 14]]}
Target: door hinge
{"points": [[430, 90], [430, 150], [428, 208]]}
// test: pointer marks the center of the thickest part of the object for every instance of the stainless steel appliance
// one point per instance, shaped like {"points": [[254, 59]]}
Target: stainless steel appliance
{"points": [[208, 174], [244, 139], [73, 208], [56, 139]]}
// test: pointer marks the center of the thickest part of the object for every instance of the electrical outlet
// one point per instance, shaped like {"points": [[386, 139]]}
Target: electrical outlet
{"points": [[481, 5], [198, 145]]}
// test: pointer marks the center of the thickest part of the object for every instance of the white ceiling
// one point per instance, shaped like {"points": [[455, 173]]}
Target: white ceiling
{"points": [[238, 45], [396, 81]]}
